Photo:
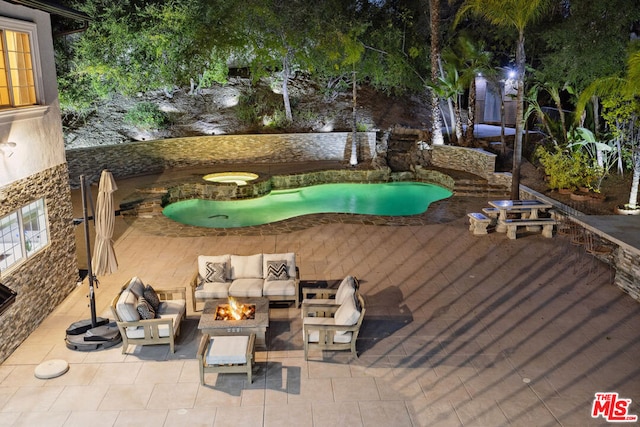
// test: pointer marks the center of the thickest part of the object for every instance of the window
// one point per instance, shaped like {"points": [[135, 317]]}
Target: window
{"points": [[18, 64], [23, 233]]}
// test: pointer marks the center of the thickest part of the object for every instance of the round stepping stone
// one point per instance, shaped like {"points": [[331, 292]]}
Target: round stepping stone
{"points": [[51, 369]]}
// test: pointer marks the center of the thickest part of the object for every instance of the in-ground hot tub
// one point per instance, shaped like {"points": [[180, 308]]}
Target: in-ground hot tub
{"points": [[238, 178]]}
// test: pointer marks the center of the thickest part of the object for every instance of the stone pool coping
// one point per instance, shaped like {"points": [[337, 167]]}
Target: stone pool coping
{"points": [[144, 207]]}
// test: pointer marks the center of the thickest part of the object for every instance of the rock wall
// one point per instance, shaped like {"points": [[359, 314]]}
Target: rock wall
{"points": [[628, 272], [45, 280], [473, 160], [145, 157]]}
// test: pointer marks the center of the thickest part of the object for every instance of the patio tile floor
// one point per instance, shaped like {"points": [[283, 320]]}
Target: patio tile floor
{"points": [[460, 330]]}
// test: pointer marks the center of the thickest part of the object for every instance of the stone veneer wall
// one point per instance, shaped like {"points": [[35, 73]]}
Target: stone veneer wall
{"points": [[473, 160], [628, 272], [146, 157], [44, 281]]}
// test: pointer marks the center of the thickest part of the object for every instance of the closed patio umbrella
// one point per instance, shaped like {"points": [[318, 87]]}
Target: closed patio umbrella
{"points": [[97, 333], [104, 259]]}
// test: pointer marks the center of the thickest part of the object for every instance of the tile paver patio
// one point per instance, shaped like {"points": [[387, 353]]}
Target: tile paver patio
{"points": [[460, 330]]}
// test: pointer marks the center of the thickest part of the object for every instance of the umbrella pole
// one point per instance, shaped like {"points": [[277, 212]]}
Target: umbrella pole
{"points": [[92, 298]]}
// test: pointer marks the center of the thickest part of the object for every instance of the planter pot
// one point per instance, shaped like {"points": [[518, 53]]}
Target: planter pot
{"points": [[580, 196], [565, 190], [583, 189], [597, 197], [625, 210]]}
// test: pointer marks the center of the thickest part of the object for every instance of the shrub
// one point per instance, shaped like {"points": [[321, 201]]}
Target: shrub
{"points": [[146, 115], [565, 169]]}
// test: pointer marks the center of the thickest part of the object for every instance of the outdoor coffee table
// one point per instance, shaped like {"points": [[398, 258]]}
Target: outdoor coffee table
{"points": [[258, 325]]}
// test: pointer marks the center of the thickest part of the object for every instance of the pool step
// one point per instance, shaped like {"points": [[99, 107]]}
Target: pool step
{"points": [[479, 187]]}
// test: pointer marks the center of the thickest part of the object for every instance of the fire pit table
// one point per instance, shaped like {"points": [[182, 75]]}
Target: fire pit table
{"points": [[212, 325]]}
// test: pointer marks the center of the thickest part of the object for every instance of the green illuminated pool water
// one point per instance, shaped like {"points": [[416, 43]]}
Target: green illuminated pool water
{"points": [[389, 199]]}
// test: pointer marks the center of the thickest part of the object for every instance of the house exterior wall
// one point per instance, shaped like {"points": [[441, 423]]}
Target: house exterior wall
{"points": [[36, 169]]}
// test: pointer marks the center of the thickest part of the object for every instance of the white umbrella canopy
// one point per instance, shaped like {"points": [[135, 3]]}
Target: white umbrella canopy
{"points": [[104, 259]]}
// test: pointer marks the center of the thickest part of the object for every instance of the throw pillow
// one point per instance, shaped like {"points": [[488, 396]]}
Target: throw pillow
{"points": [[145, 309], [277, 270], [152, 297], [215, 272]]}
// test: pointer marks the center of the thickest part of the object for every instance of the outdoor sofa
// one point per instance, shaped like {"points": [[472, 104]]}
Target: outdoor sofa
{"points": [[273, 276], [148, 316]]}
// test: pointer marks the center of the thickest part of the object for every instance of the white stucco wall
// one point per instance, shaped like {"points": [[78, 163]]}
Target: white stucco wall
{"points": [[36, 132]]}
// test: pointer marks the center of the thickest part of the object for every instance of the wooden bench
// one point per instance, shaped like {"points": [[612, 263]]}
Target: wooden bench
{"points": [[478, 223], [513, 224]]}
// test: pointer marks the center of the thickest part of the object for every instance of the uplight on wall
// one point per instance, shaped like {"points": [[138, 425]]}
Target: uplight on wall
{"points": [[6, 148]]}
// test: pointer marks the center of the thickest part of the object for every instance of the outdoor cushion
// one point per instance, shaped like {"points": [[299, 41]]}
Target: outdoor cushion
{"points": [[152, 298], [213, 290], [136, 286], [251, 287], [347, 314], [246, 266], [276, 270], [227, 350], [346, 289], [204, 259], [314, 334], [171, 309], [126, 307], [279, 287], [145, 309], [289, 257], [216, 272]]}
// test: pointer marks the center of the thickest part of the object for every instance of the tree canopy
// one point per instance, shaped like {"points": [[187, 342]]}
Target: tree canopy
{"points": [[141, 45]]}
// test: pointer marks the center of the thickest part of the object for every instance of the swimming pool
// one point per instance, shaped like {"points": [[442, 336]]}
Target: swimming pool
{"points": [[389, 199]]}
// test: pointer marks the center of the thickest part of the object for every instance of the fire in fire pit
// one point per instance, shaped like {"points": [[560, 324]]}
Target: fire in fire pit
{"points": [[235, 311]]}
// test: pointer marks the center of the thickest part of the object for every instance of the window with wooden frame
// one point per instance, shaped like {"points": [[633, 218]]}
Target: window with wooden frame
{"points": [[18, 64]]}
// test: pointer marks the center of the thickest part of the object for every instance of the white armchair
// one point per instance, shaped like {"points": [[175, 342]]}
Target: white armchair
{"points": [[337, 330]]}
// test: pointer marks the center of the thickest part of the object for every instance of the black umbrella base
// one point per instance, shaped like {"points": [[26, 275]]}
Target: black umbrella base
{"points": [[98, 338], [82, 326]]}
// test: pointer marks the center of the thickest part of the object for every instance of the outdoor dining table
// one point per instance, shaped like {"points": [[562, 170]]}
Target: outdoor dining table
{"points": [[528, 207]]}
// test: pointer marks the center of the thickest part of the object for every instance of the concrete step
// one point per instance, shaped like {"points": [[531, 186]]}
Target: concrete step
{"points": [[479, 187]]}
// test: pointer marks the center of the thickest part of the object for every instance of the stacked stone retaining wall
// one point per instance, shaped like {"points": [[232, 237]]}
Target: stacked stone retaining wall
{"points": [[45, 280], [138, 158]]}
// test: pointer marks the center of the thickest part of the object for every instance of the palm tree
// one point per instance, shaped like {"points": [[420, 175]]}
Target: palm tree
{"points": [[623, 90], [470, 59], [517, 14]]}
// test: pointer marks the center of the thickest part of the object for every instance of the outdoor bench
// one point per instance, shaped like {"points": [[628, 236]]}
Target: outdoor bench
{"points": [[513, 224], [478, 223]]}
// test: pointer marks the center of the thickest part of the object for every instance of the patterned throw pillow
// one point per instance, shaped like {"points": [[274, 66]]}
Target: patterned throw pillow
{"points": [[215, 272], [277, 270], [145, 309], [152, 297]]}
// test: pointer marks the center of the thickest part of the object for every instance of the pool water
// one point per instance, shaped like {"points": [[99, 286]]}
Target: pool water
{"points": [[389, 199]]}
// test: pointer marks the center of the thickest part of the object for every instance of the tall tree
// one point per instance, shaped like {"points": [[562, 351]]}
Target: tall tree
{"points": [[623, 96], [436, 114], [516, 14]]}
